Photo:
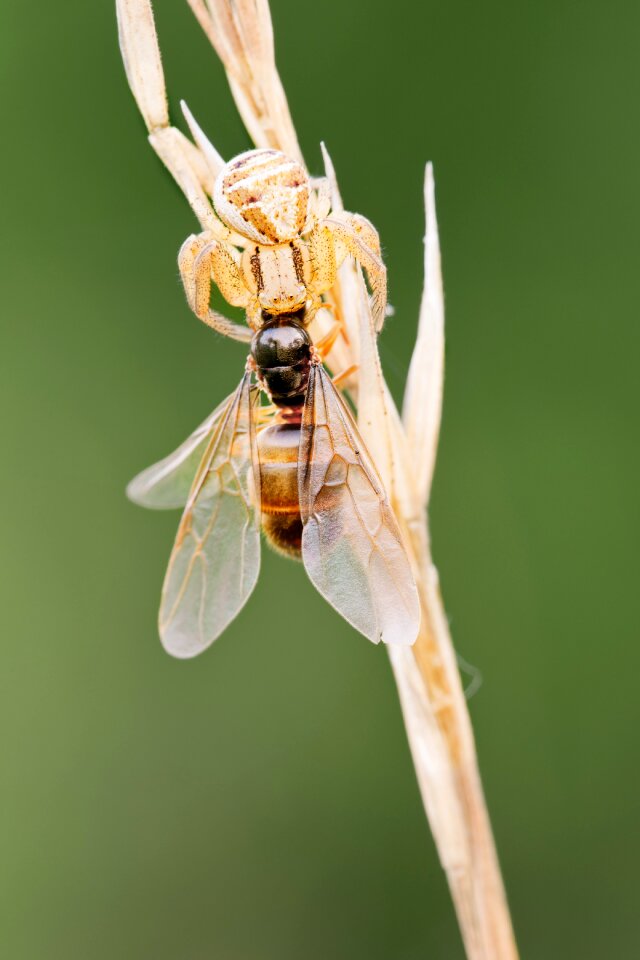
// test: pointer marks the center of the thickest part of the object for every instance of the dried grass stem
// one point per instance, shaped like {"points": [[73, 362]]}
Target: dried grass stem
{"points": [[433, 703]]}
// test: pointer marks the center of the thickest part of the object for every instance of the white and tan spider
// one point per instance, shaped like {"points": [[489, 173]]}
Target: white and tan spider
{"points": [[275, 247]]}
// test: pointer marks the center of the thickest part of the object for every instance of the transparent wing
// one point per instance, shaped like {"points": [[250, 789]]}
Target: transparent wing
{"points": [[166, 484], [216, 557], [351, 545]]}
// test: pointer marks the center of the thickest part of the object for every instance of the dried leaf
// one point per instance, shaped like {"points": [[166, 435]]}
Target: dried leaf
{"points": [[431, 760], [347, 292], [142, 63], [373, 414], [214, 161], [343, 305], [423, 396], [242, 35], [176, 153]]}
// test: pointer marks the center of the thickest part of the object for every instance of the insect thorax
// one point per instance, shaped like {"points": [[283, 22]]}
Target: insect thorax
{"points": [[281, 350]]}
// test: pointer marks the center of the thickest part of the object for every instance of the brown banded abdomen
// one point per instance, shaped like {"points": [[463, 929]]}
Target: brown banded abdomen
{"points": [[278, 448]]}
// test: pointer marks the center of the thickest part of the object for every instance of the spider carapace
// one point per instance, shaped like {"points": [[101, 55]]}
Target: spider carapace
{"points": [[295, 468]]}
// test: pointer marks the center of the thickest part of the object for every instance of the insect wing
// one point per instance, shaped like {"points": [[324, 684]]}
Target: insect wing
{"points": [[351, 545], [165, 485], [215, 561]]}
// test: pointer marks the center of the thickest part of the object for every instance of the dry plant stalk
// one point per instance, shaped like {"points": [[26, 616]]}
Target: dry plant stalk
{"points": [[433, 703]]}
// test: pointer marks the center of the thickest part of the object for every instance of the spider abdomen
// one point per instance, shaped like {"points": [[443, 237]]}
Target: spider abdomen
{"points": [[264, 195]]}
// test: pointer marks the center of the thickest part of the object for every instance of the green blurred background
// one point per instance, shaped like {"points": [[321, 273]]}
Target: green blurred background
{"points": [[259, 802]]}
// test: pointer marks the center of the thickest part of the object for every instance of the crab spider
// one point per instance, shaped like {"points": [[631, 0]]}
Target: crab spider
{"points": [[275, 247]]}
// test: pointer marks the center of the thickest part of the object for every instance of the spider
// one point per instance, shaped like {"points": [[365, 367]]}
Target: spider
{"points": [[275, 247]]}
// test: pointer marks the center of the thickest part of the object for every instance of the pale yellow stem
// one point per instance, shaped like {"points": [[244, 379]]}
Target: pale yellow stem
{"points": [[433, 704]]}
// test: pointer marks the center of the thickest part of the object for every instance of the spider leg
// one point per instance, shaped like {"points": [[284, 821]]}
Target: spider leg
{"points": [[359, 238], [201, 259], [365, 230], [322, 253], [225, 272]]}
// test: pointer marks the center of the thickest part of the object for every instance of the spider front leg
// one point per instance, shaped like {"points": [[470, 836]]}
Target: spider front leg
{"points": [[324, 269], [358, 237], [201, 259]]}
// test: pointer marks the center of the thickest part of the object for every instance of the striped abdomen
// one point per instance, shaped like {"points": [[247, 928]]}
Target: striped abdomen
{"points": [[278, 449], [264, 196]]}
